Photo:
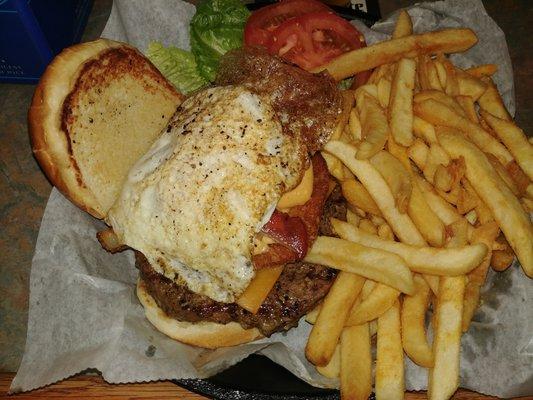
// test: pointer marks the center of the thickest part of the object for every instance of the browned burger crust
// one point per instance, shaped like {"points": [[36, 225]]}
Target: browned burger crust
{"points": [[71, 74]]}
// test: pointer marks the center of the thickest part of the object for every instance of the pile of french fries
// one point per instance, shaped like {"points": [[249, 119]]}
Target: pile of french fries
{"points": [[438, 182]]}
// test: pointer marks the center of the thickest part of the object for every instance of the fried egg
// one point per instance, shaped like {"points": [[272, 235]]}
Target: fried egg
{"points": [[194, 202]]}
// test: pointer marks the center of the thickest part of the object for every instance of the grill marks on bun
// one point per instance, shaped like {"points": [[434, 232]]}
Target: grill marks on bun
{"points": [[97, 108]]}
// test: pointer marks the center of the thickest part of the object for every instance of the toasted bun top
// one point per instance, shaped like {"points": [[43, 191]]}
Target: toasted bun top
{"points": [[97, 108], [209, 335]]}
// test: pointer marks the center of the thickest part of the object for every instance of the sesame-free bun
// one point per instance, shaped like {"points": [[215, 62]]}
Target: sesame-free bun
{"points": [[209, 335], [97, 108]]}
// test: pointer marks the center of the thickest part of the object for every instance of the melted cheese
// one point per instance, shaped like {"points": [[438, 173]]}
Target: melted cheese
{"points": [[194, 202]]}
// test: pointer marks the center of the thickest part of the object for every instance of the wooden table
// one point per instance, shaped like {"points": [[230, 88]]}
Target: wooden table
{"points": [[24, 191], [94, 387]]}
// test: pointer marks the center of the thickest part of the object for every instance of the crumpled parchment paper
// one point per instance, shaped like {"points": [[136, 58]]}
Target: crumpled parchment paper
{"points": [[84, 312]]}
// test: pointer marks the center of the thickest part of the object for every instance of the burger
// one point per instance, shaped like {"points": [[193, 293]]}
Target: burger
{"points": [[219, 194]]}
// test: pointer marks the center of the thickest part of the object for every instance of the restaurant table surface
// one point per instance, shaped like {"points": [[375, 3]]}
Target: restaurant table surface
{"points": [[24, 189]]}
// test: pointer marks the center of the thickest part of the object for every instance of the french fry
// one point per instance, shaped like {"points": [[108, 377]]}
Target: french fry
{"points": [[356, 195], [333, 367], [375, 264], [352, 217], [444, 376], [441, 98], [443, 179], [441, 72], [470, 85], [501, 260], [365, 58], [404, 25], [400, 223], [419, 153], [482, 70], [430, 260], [433, 76], [335, 167], [427, 222], [452, 82], [505, 207], [492, 102], [378, 301], [356, 363], [414, 339], [390, 381], [439, 114], [355, 125], [519, 177], [424, 130], [367, 226], [486, 234], [331, 318], [396, 176], [469, 108], [505, 175], [312, 315], [514, 138], [367, 289], [259, 287], [471, 303], [384, 89], [385, 232], [401, 102], [374, 125]]}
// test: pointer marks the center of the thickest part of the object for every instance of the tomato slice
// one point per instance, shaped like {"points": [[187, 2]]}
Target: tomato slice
{"points": [[314, 38], [264, 21]]}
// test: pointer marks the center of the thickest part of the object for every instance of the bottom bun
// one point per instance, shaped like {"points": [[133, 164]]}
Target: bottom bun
{"points": [[209, 335]]}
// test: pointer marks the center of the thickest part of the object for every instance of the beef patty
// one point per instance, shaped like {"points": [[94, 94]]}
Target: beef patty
{"points": [[299, 288]]}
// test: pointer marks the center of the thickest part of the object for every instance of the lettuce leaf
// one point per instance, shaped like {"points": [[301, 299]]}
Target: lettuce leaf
{"points": [[216, 27], [178, 66]]}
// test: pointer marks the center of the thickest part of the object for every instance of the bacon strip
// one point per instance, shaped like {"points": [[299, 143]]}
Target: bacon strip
{"points": [[309, 213]]}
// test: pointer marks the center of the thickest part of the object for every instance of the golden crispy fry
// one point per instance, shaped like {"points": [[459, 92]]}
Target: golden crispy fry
{"points": [[331, 318], [352, 217], [401, 102], [419, 153], [445, 41], [333, 368], [469, 108], [436, 156], [519, 177], [452, 82], [356, 363], [414, 339], [430, 260], [390, 383], [258, 289], [471, 217], [482, 70], [433, 76], [354, 125], [442, 179], [468, 199], [444, 376], [486, 234], [427, 222], [404, 25], [440, 114], [424, 130], [422, 73], [501, 260], [441, 98], [374, 125], [505, 207], [505, 175], [367, 226], [492, 102], [396, 176], [312, 315], [457, 234], [367, 289], [335, 167], [374, 264], [470, 85], [384, 88], [471, 302], [378, 301], [385, 232], [400, 223], [514, 138], [356, 194], [441, 72]]}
